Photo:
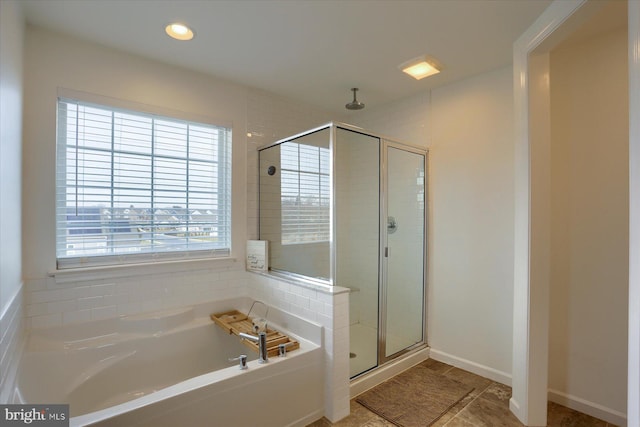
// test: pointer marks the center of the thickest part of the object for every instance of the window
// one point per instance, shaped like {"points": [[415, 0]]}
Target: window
{"points": [[305, 193], [134, 186]]}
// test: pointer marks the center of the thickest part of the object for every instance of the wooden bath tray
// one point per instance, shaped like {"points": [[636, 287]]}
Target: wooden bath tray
{"points": [[235, 322]]}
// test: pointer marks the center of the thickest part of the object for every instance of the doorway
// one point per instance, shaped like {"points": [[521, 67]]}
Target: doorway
{"points": [[538, 258]]}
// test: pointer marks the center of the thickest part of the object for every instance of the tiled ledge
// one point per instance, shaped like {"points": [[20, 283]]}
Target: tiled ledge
{"points": [[304, 283]]}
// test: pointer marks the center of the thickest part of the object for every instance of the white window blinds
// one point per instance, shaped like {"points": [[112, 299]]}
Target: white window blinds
{"points": [[305, 193], [132, 186]]}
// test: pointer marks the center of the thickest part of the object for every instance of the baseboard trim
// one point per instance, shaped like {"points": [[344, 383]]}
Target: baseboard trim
{"points": [[590, 408], [468, 365], [514, 406]]}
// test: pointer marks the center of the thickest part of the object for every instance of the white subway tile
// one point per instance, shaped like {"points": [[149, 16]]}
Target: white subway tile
{"points": [[36, 309], [46, 321], [104, 312], [302, 301], [341, 319], [326, 298], [316, 306], [297, 290], [310, 293], [152, 305], [38, 297], [308, 315], [78, 292], [129, 308], [102, 290], [89, 302], [324, 320], [111, 300], [289, 297], [328, 349], [341, 337], [76, 316], [282, 285], [35, 284], [327, 309], [62, 306]]}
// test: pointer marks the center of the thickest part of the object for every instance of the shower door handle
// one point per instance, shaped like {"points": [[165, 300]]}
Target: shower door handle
{"points": [[392, 225]]}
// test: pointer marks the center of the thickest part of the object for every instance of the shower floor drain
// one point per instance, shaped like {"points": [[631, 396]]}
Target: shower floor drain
{"points": [[352, 355]]}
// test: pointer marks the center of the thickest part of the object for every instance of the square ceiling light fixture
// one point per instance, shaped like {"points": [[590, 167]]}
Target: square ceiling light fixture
{"points": [[421, 67]]}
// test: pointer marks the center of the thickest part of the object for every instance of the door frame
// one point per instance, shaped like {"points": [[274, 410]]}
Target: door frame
{"points": [[531, 303], [385, 144]]}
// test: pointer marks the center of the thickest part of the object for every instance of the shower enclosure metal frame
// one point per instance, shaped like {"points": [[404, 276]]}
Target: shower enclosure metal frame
{"points": [[384, 144]]}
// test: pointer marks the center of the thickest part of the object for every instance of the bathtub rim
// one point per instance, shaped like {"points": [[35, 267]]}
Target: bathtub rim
{"points": [[309, 334], [186, 386]]}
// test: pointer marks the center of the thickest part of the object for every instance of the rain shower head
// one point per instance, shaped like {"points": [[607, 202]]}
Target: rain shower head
{"points": [[355, 104]]}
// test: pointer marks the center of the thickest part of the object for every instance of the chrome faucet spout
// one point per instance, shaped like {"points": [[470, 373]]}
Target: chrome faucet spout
{"points": [[249, 337], [261, 339]]}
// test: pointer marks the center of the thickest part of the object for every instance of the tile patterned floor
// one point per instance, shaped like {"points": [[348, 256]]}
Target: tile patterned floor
{"points": [[486, 406]]}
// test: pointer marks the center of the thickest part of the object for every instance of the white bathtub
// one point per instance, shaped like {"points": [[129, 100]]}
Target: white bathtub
{"points": [[171, 368]]}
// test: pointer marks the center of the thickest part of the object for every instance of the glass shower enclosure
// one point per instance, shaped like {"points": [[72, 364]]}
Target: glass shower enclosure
{"points": [[342, 206]]}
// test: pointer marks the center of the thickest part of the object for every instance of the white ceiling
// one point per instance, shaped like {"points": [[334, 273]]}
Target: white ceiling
{"points": [[309, 50]]}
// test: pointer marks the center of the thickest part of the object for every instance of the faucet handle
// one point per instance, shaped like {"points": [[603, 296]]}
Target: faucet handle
{"points": [[282, 349], [242, 361]]}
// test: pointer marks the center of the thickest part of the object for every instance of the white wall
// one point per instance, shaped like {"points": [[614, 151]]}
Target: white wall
{"points": [[11, 41], [589, 222], [471, 157], [271, 118], [406, 120], [55, 61], [11, 58], [468, 129]]}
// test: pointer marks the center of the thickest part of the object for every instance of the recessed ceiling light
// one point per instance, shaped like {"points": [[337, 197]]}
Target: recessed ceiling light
{"points": [[421, 67], [179, 31]]}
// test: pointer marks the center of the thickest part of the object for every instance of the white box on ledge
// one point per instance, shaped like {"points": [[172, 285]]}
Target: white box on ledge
{"points": [[257, 255]]}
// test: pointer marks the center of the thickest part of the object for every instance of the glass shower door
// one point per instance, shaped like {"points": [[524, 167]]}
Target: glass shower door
{"points": [[403, 297], [357, 195]]}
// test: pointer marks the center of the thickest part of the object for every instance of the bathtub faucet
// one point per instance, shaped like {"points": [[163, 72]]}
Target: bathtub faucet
{"points": [[261, 339]]}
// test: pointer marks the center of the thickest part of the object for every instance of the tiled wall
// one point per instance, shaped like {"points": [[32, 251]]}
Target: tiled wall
{"points": [[269, 119], [330, 308], [65, 299], [11, 340], [52, 302], [55, 301]]}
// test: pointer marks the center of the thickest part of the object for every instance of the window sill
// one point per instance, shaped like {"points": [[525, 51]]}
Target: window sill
{"points": [[130, 270]]}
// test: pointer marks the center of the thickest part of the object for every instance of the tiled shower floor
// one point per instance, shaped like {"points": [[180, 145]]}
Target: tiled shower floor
{"points": [[486, 406]]}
